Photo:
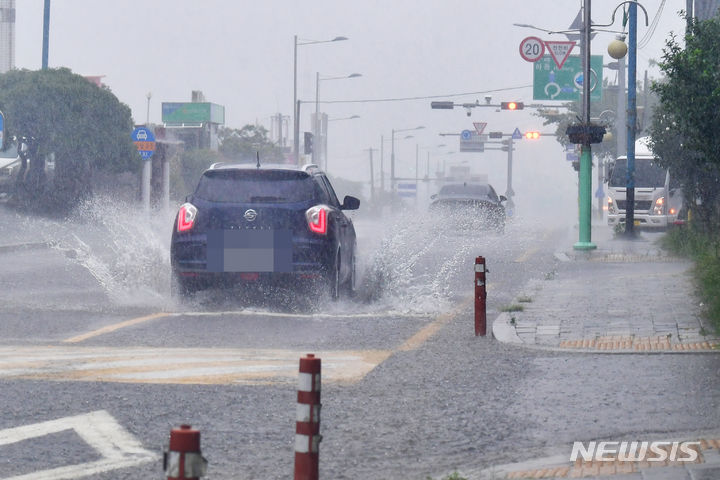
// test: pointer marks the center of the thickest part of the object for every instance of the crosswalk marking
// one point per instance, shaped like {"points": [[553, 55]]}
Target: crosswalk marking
{"points": [[179, 365]]}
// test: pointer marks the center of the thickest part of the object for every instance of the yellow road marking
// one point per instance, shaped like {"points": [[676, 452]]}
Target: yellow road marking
{"points": [[211, 366], [114, 327], [425, 333], [195, 365], [526, 255], [533, 250]]}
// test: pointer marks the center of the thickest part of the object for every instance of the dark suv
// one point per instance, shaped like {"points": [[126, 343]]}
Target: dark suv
{"points": [[277, 224]]}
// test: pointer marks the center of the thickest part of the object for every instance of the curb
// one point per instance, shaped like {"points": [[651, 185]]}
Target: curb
{"points": [[15, 247], [505, 332]]}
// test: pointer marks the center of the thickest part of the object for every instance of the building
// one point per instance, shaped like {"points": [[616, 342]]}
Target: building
{"points": [[7, 35], [194, 123]]}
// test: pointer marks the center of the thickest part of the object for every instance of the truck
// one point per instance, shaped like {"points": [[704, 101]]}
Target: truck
{"points": [[658, 200]]}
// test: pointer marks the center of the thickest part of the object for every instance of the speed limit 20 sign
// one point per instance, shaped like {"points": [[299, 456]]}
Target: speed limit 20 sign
{"points": [[532, 49]]}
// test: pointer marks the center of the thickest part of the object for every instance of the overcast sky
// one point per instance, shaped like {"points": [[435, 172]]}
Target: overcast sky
{"points": [[240, 54]]}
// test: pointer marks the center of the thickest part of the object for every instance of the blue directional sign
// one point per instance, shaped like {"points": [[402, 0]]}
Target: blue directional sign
{"points": [[144, 139], [466, 134]]}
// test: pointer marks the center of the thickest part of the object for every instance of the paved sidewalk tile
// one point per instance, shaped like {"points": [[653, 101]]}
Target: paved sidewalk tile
{"points": [[628, 296]]}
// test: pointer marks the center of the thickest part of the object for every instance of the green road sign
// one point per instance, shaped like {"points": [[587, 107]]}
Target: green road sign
{"points": [[551, 83]]}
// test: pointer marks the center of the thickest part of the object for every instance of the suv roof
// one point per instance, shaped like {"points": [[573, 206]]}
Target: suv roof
{"points": [[309, 168]]}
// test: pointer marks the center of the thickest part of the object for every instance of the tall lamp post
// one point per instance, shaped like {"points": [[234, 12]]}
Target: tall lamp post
{"points": [[317, 124], [392, 155], [296, 106]]}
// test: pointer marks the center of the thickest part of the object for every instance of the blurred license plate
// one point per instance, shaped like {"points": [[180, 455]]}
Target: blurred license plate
{"points": [[636, 222], [249, 251]]}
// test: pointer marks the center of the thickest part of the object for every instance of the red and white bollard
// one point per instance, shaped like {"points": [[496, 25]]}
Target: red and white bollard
{"points": [[307, 426], [183, 459], [480, 297]]}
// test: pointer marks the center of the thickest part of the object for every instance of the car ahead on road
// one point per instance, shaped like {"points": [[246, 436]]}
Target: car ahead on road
{"points": [[271, 224], [470, 205]]}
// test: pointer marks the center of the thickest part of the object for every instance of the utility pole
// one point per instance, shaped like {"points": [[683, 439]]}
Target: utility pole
{"points": [[372, 174], [585, 173], [382, 167], [509, 193]]}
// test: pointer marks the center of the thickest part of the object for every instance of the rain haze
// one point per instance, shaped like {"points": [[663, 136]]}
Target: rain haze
{"points": [[463, 335], [240, 55]]}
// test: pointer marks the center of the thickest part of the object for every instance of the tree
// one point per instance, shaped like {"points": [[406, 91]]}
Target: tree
{"points": [[243, 145], [684, 127], [84, 126]]}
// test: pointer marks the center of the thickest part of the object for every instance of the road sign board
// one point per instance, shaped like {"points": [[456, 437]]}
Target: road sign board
{"points": [[472, 142], [516, 134], [480, 127], [559, 51], [144, 141], [532, 49], [552, 83], [407, 189]]}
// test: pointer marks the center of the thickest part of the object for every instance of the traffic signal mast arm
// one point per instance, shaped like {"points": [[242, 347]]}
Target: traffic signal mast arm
{"points": [[512, 105]]}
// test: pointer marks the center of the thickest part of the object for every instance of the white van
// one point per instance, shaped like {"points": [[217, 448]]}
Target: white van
{"points": [[657, 199]]}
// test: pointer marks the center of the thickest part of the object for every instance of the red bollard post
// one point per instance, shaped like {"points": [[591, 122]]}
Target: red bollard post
{"points": [[307, 426], [183, 459], [480, 296]]}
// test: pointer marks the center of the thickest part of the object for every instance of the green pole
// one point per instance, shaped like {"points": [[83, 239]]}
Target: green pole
{"points": [[585, 184], [585, 187]]}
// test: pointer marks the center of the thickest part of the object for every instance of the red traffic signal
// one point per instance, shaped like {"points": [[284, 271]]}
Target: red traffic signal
{"points": [[512, 105], [532, 135]]}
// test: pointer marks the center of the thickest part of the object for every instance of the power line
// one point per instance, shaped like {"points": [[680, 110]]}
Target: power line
{"points": [[427, 97], [651, 31]]}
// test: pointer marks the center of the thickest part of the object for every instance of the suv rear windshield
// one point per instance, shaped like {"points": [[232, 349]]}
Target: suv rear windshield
{"points": [[256, 186], [468, 190]]}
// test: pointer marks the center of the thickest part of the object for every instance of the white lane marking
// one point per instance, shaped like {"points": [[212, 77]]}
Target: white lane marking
{"points": [[100, 430]]}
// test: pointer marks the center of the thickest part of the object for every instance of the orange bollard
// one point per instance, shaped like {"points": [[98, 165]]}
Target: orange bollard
{"points": [[183, 459], [480, 297], [307, 426]]}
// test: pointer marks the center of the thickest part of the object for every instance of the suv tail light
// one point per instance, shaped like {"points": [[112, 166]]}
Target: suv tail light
{"points": [[186, 217], [317, 219]]}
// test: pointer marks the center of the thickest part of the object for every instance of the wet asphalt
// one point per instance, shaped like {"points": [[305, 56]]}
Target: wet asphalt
{"points": [[456, 402]]}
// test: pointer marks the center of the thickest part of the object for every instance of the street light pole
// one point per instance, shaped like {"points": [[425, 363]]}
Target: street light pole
{"points": [[392, 156], [631, 121], [296, 128], [320, 140], [46, 34], [296, 103]]}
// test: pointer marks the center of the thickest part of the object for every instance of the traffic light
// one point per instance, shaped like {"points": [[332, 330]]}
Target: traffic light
{"points": [[532, 135], [512, 105], [308, 143]]}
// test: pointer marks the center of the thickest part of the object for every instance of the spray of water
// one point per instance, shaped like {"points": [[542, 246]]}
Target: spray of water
{"points": [[405, 261], [124, 249]]}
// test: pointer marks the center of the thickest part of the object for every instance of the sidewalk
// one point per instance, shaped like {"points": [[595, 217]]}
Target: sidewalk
{"points": [[705, 467], [626, 296]]}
